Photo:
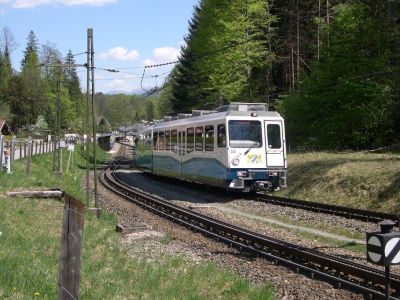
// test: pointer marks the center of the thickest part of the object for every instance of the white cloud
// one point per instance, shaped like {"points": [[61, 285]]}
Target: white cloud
{"points": [[120, 53], [162, 55], [35, 3], [120, 85]]}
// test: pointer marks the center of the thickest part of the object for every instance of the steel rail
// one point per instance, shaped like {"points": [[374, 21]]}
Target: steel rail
{"points": [[353, 213], [308, 260]]}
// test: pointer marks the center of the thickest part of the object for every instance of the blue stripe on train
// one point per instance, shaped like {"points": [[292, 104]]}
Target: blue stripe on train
{"points": [[204, 170]]}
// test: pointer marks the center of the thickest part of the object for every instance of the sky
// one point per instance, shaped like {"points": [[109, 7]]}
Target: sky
{"points": [[127, 35]]}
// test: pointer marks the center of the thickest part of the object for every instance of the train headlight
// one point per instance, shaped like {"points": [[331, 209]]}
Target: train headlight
{"points": [[241, 173], [274, 173], [235, 161]]}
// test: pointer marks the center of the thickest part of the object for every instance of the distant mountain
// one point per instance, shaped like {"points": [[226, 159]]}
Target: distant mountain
{"points": [[133, 92]]}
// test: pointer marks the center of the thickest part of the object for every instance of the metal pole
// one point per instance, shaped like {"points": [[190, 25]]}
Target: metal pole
{"points": [[387, 282], [89, 36], [57, 167], [94, 125]]}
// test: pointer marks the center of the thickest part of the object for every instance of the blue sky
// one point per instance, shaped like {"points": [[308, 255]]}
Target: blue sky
{"points": [[128, 34]]}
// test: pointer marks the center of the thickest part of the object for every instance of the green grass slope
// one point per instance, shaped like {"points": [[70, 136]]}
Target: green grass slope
{"points": [[357, 179]]}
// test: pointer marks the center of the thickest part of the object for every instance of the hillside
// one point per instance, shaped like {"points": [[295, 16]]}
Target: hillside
{"points": [[356, 179]]}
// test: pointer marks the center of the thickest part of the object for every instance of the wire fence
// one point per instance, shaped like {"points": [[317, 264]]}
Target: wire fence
{"points": [[39, 244], [15, 149], [21, 148]]}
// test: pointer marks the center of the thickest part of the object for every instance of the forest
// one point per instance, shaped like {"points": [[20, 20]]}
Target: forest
{"points": [[330, 67]]}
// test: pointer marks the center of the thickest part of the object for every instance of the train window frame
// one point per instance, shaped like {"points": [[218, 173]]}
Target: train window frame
{"points": [[199, 133], [221, 138], [174, 140], [183, 144], [167, 140], [250, 143], [209, 146], [272, 137], [190, 136]]}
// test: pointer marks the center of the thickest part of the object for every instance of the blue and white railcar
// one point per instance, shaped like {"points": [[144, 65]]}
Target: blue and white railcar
{"points": [[242, 146]]}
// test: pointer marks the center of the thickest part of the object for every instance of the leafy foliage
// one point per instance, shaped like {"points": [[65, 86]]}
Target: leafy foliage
{"points": [[225, 49], [346, 102], [33, 92]]}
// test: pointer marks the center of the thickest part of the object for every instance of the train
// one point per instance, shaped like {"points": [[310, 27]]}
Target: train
{"points": [[240, 146]]}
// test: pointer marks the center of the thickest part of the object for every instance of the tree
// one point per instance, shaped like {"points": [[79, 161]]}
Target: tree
{"points": [[185, 80], [31, 51], [25, 92], [7, 40], [6, 72], [225, 54], [72, 83], [347, 99], [48, 57]]}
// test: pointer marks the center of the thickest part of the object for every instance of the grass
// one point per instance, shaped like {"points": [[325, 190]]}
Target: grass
{"points": [[30, 249], [355, 179]]}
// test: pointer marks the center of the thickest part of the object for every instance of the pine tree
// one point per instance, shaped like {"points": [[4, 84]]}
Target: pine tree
{"points": [[31, 82], [186, 81], [72, 83], [31, 50]]}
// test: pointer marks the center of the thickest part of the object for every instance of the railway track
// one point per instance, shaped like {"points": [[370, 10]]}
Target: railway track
{"points": [[347, 212], [341, 272], [336, 210]]}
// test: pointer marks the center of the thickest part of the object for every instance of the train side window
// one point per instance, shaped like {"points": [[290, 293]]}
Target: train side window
{"points": [[148, 142], [190, 140], [274, 136], [174, 140], [199, 139], [161, 140], [155, 140], [221, 136], [167, 140], [209, 131]]}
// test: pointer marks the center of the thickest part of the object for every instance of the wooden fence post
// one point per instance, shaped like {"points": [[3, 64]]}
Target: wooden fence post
{"points": [[12, 154], [71, 248], [28, 160]]}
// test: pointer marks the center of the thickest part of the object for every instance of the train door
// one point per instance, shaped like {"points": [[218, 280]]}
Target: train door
{"points": [[274, 145]]}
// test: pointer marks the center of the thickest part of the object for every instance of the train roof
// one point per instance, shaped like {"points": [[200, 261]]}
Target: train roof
{"points": [[251, 110]]}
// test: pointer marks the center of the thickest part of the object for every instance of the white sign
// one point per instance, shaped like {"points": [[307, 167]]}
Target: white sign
{"points": [[392, 250], [71, 147]]}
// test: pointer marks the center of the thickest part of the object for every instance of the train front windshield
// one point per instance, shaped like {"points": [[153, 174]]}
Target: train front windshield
{"points": [[243, 134]]}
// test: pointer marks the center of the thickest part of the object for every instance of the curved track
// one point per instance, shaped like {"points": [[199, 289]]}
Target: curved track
{"points": [[339, 271]]}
